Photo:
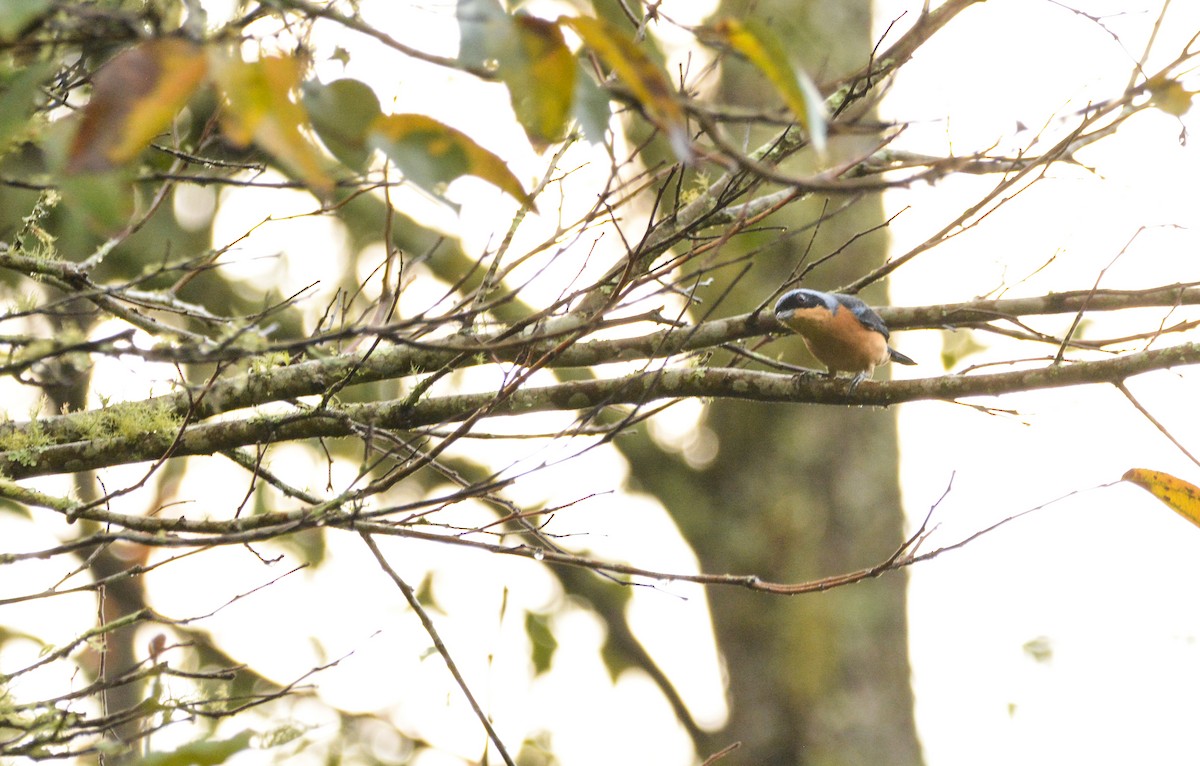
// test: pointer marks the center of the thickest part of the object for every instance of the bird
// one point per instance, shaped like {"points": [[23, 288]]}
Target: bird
{"points": [[841, 331]]}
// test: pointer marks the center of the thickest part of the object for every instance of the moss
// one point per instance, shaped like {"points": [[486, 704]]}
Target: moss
{"points": [[268, 362], [23, 445], [125, 421], [33, 238], [697, 189], [128, 421]]}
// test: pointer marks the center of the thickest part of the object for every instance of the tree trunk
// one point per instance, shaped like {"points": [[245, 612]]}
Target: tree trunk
{"points": [[800, 492]]}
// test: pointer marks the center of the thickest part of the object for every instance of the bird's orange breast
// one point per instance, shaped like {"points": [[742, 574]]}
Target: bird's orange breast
{"points": [[839, 341]]}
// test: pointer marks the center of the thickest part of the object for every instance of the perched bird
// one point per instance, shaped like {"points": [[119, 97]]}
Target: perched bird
{"points": [[840, 330]]}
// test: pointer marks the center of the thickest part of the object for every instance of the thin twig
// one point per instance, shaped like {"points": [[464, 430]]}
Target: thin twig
{"points": [[1120, 384], [411, 597]]}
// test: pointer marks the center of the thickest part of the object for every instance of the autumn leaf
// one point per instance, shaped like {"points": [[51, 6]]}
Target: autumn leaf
{"points": [[762, 48], [646, 81], [1170, 96], [135, 96], [1182, 497], [530, 57], [540, 75], [431, 154], [260, 109]]}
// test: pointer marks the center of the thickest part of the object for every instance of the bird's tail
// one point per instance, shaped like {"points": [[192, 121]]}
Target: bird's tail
{"points": [[898, 357]]}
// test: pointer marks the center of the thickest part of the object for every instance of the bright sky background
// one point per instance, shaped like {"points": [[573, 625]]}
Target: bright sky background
{"points": [[1103, 581]]}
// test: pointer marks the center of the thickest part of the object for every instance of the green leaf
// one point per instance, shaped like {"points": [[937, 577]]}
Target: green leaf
{"points": [[19, 97], [425, 595], [646, 81], [15, 509], [342, 112], [203, 753], [616, 660], [16, 15], [541, 638], [307, 545], [431, 154], [763, 48], [104, 200], [135, 96], [1039, 649], [592, 107], [958, 345], [480, 24]]}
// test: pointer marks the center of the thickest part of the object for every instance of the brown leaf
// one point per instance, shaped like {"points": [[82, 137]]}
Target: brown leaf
{"points": [[135, 96]]}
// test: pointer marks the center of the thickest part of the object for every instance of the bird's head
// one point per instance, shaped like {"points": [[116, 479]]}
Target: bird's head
{"points": [[799, 300]]}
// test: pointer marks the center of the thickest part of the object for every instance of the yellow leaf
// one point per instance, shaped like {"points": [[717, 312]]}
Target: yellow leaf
{"points": [[135, 96], [647, 82], [532, 59], [540, 78], [261, 110], [430, 154], [1183, 497], [762, 47], [1170, 96]]}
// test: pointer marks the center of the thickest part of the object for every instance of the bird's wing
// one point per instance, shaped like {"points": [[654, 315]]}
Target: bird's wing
{"points": [[865, 314]]}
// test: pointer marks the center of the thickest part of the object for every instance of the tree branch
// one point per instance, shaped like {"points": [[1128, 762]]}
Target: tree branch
{"points": [[588, 395]]}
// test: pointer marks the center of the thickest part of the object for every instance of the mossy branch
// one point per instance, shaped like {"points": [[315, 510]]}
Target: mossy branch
{"points": [[589, 396]]}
